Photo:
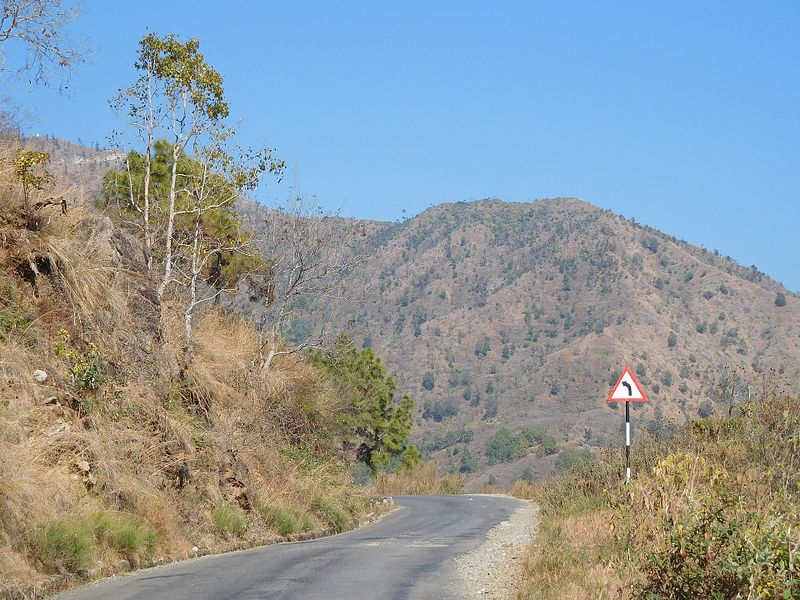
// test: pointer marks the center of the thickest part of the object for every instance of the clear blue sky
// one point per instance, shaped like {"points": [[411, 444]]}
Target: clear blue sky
{"points": [[684, 115]]}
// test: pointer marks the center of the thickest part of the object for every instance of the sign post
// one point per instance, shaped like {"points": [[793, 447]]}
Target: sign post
{"points": [[627, 390]]}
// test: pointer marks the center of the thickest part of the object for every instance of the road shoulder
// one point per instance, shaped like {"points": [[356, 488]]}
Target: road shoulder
{"points": [[491, 569]]}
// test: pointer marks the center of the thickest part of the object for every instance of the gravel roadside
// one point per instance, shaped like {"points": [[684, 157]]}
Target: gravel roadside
{"points": [[490, 571]]}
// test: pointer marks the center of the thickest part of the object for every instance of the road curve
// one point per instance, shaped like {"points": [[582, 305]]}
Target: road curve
{"points": [[408, 554]]}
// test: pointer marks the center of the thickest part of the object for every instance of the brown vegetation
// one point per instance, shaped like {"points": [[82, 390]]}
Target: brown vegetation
{"points": [[122, 454], [711, 513], [420, 480], [498, 314]]}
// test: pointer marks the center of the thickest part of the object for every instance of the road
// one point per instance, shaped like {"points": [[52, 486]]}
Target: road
{"points": [[408, 554]]}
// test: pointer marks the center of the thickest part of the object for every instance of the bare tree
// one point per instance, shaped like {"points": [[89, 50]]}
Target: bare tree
{"points": [[142, 106], [195, 106], [33, 42], [216, 240], [311, 255]]}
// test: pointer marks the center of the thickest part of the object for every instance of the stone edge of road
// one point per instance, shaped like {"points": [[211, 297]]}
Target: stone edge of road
{"points": [[59, 585], [491, 569]]}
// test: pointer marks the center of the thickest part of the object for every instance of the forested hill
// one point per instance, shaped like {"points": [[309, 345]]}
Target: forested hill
{"points": [[503, 315]]}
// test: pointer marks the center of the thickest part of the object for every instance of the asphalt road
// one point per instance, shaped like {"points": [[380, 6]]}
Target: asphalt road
{"points": [[408, 554]]}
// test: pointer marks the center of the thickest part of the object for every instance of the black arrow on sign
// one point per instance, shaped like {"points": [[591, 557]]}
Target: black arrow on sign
{"points": [[630, 389]]}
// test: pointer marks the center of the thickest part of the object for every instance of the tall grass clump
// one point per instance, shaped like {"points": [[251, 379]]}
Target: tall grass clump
{"points": [[333, 514], [65, 544], [125, 533], [228, 521], [277, 517], [304, 520], [421, 479]]}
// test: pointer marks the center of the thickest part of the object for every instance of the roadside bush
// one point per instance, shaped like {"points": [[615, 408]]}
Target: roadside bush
{"points": [[228, 521], [719, 552], [718, 516], [569, 458], [304, 520], [124, 533], [65, 544], [278, 518], [332, 514]]}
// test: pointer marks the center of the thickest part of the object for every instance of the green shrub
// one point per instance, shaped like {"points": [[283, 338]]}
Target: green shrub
{"points": [[64, 544], [125, 533], [278, 518], [721, 551], [85, 369], [304, 520], [332, 514], [506, 447], [428, 381], [11, 323], [569, 458], [228, 520]]}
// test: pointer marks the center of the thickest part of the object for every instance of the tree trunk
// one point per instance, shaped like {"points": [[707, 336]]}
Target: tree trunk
{"points": [[162, 288], [188, 316], [148, 240], [267, 362]]}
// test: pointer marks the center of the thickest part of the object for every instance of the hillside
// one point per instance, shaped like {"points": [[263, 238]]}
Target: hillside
{"points": [[115, 450], [498, 314], [80, 166]]}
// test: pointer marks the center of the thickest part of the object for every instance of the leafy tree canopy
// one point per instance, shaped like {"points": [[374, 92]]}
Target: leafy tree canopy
{"points": [[377, 422], [221, 223]]}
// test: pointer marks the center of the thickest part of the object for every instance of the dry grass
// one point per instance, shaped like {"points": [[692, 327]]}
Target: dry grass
{"points": [[712, 512], [424, 479], [152, 453], [572, 557], [78, 246]]}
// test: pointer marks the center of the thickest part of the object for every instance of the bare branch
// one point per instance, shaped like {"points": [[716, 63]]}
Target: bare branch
{"points": [[33, 42]]}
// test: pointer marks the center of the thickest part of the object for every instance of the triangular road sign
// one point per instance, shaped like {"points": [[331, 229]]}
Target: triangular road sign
{"points": [[627, 389]]}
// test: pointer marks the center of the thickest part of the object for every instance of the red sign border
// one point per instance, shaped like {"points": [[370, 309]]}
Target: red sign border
{"points": [[635, 381]]}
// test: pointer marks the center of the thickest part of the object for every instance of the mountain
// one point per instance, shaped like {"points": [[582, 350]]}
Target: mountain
{"points": [[521, 315], [496, 314], [74, 165]]}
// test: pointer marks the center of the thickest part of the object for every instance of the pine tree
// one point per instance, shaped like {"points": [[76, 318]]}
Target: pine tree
{"points": [[377, 422]]}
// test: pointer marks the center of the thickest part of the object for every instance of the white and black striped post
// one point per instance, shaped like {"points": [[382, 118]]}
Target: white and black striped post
{"points": [[627, 441], [627, 390]]}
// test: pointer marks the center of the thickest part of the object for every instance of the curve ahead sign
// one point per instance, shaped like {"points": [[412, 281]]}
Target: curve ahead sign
{"points": [[627, 389]]}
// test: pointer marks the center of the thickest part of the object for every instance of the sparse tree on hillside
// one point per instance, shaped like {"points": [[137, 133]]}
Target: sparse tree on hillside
{"points": [[30, 171], [377, 422], [195, 107], [468, 463], [143, 108], [218, 252], [183, 190], [311, 253], [213, 252], [178, 89], [33, 42]]}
